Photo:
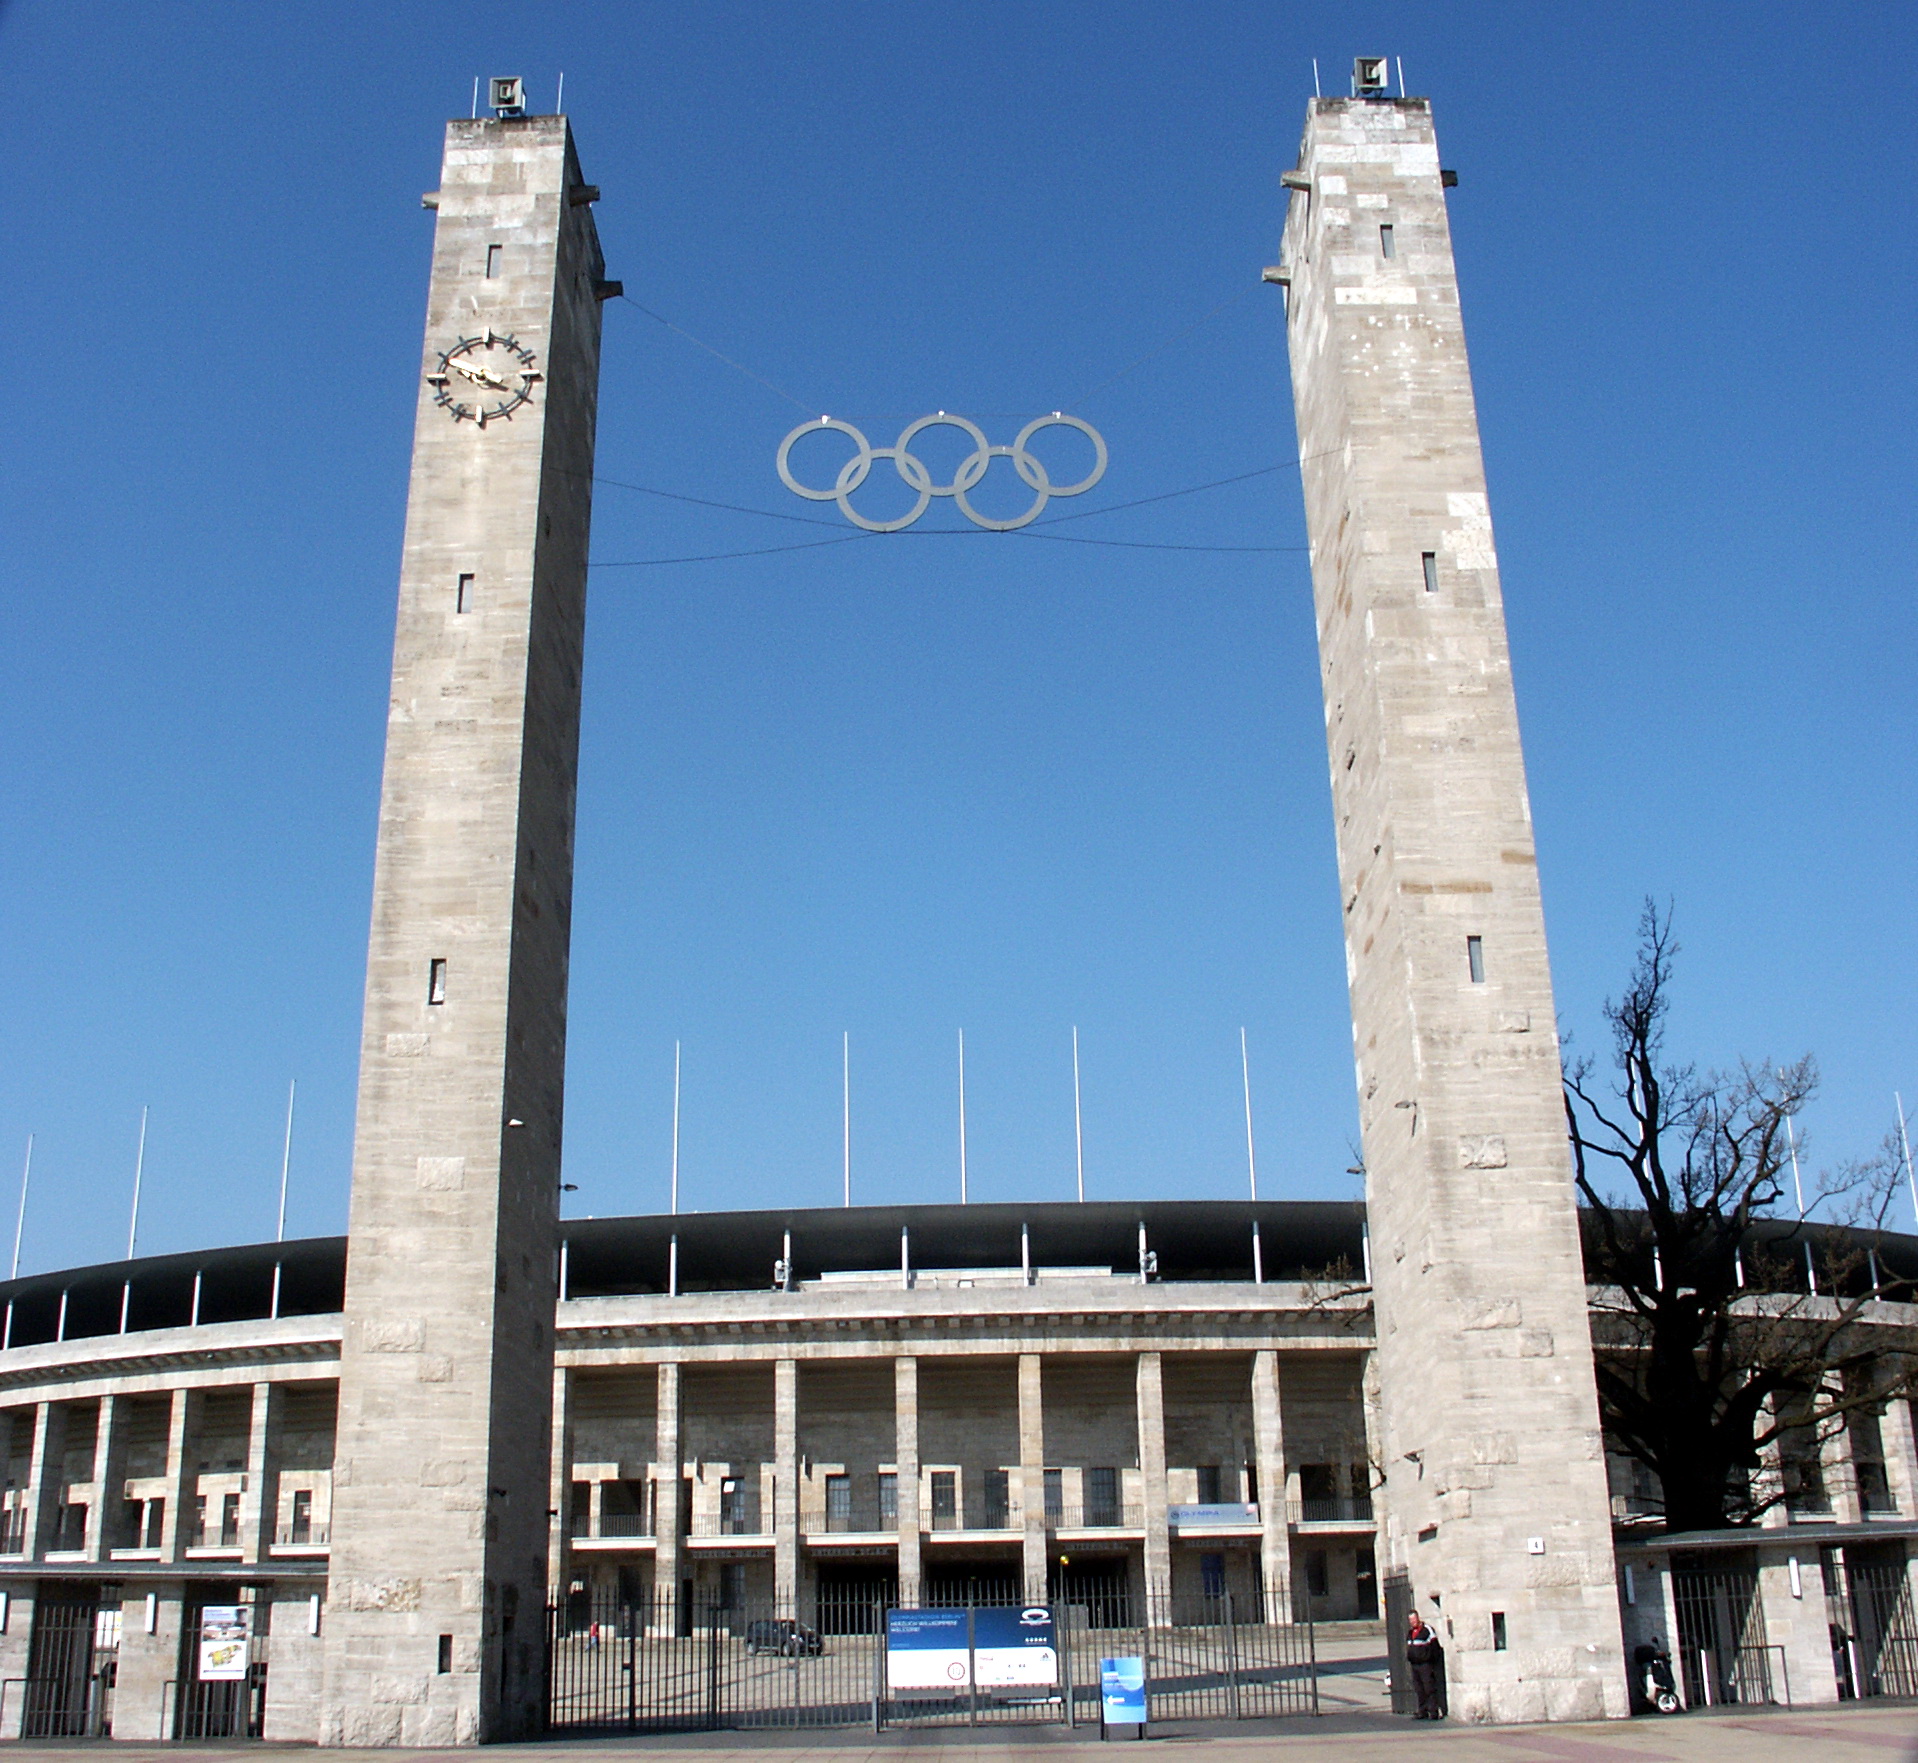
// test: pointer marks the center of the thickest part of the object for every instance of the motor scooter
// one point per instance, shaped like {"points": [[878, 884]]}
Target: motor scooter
{"points": [[1655, 1680]]}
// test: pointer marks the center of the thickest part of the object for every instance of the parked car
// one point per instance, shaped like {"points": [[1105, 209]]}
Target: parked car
{"points": [[782, 1635]]}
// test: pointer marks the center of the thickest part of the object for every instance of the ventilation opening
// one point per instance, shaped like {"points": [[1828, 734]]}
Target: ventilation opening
{"points": [[1475, 959], [1498, 1631], [1429, 561], [463, 595], [446, 1653], [492, 261], [1387, 247], [436, 979]]}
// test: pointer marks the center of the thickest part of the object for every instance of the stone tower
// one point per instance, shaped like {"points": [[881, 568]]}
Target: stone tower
{"points": [[434, 1619], [1494, 1495]]}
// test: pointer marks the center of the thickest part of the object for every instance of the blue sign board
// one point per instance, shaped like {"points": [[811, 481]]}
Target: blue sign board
{"points": [[1122, 1691], [1004, 1649]]}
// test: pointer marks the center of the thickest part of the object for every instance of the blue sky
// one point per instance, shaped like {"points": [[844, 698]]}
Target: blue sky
{"points": [[907, 786]]}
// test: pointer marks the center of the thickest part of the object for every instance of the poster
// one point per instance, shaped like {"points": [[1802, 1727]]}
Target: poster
{"points": [[223, 1642], [1122, 1692], [1008, 1649]]}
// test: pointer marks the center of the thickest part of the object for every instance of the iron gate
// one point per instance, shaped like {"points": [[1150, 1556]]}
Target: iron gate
{"points": [[620, 1665], [70, 1664], [1724, 1657], [1874, 1629]]}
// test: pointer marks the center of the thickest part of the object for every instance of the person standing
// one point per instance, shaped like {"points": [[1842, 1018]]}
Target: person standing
{"points": [[1427, 1660]]}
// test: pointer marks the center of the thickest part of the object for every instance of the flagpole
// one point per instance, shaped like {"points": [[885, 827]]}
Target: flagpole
{"points": [[845, 1107], [1903, 1139], [1251, 1162], [962, 1117], [286, 1159], [1078, 1116], [675, 1201], [20, 1222], [139, 1167]]}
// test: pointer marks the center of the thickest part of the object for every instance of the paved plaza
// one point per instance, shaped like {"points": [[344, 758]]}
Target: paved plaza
{"points": [[1876, 1733]]}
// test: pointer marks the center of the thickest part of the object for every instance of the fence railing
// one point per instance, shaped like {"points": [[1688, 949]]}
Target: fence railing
{"points": [[655, 1665], [1333, 1509]]}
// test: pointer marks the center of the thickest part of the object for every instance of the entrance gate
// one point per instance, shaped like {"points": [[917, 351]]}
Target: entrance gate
{"points": [[1724, 1657], [1873, 1626], [70, 1664], [615, 1665]]}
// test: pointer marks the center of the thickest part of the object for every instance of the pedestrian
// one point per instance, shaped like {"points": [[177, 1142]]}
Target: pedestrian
{"points": [[1427, 1660]]}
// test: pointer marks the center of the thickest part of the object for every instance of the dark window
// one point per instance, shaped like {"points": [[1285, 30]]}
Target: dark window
{"points": [[436, 980], [230, 1521], [1498, 1631], [463, 597], [1055, 1496], [492, 261], [1209, 1484], [446, 1640], [998, 1499], [1386, 246], [838, 1502], [1252, 1481], [301, 1530], [1102, 1496], [1317, 1581], [888, 1496], [1475, 959], [1212, 1575], [1429, 559], [945, 1499]]}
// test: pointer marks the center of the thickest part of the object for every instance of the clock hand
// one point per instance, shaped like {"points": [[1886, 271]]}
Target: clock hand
{"points": [[479, 376]]}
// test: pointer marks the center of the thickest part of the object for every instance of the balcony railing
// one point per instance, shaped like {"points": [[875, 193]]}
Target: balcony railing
{"points": [[1333, 1509], [300, 1536], [1094, 1515]]}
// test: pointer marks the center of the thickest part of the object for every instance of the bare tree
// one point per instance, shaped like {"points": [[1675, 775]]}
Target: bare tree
{"points": [[1732, 1342]]}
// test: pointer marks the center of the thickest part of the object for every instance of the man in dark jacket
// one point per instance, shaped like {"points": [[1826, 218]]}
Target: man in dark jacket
{"points": [[1427, 1660]]}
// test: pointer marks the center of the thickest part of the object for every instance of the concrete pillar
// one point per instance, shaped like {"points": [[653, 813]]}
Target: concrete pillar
{"points": [[1032, 1476], [440, 1535], [905, 1451], [46, 1478], [1841, 1476], [1474, 1246], [1275, 1527], [667, 1540], [1795, 1621], [1152, 1487], [182, 1476], [109, 1477], [15, 1650], [143, 1705], [559, 1489], [786, 1486], [260, 1503], [1901, 1456]]}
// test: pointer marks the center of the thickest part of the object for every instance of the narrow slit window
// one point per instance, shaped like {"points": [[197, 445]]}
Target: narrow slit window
{"points": [[1387, 246], [446, 1654], [1428, 560], [436, 978], [1498, 1631], [1475, 959], [492, 261], [463, 596]]}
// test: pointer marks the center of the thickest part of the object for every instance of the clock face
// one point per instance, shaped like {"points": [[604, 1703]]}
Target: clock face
{"points": [[483, 379]]}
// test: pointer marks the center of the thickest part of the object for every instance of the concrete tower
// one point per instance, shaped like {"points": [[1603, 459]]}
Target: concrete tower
{"points": [[1494, 1498], [434, 1620]]}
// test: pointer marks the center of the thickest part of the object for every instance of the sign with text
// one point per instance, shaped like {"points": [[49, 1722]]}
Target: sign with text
{"points": [[1122, 1691], [224, 1638], [1000, 1649], [1231, 1512]]}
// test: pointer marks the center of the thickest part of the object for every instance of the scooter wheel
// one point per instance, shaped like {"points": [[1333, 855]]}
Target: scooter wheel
{"points": [[1667, 1702]]}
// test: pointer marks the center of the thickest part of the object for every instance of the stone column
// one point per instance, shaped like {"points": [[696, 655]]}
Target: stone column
{"points": [[109, 1477], [905, 1451], [1032, 1476], [1275, 1527], [260, 1504], [143, 1706], [46, 1478], [1901, 1456], [1841, 1476], [182, 1477], [1152, 1488], [786, 1486], [1795, 1622], [667, 1541], [559, 1490]]}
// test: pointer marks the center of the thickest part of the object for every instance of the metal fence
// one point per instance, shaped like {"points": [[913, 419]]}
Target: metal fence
{"points": [[1723, 1654], [617, 1665], [1874, 1629]]}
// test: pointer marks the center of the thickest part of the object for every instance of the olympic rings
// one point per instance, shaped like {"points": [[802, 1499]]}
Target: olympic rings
{"points": [[966, 477]]}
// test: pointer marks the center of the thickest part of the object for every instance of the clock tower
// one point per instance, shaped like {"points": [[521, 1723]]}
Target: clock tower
{"points": [[436, 1605]]}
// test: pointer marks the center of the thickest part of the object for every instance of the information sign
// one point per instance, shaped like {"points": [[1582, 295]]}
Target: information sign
{"points": [[1003, 1649], [223, 1642], [1122, 1691]]}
